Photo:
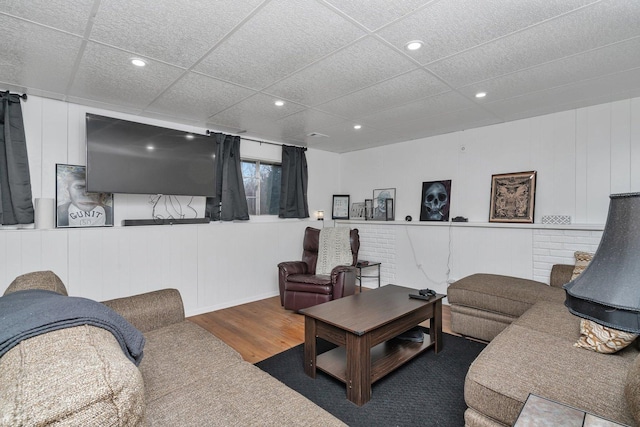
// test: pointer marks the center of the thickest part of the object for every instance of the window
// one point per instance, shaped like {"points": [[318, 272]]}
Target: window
{"points": [[262, 186]]}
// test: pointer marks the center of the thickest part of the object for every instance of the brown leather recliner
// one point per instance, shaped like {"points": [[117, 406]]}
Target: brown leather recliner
{"points": [[300, 287]]}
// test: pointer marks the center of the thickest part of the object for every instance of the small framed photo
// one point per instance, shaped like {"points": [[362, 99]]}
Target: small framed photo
{"points": [[389, 210], [357, 210], [380, 205], [436, 200], [74, 206], [368, 209], [513, 197], [340, 208]]}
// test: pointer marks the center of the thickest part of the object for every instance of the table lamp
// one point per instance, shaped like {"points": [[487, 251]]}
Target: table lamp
{"points": [[608, 290]]}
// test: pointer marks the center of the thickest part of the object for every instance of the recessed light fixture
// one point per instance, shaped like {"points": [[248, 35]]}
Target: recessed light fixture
{"points": [[356, 127], [279, 103], [138, 62], [150, 147], [481, 94], [414, 45], [189, 136]]}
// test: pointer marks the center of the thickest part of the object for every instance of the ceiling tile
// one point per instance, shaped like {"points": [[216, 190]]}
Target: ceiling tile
{"points": [[374, 14], [307, 121], [255, 109], [70, 16], [600, 62], [105, 74], [35, 56], [605, 89], [444, 123], [171, 31], [448, 27], [389, 93], [283, 37], [344, 139], [418, 110], [364, 63], [586, 29], [197, 96]]}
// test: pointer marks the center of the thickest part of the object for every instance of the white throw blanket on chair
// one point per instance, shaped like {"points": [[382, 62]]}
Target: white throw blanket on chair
{"points": [[334, 249]]}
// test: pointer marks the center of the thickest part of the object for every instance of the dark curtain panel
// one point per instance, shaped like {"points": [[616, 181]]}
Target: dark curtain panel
{"points": [[16, 205], [230, 202], [293, 194]]}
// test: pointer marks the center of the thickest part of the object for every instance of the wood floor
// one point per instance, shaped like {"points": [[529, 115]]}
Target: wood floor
{"points": [[261, 329]]}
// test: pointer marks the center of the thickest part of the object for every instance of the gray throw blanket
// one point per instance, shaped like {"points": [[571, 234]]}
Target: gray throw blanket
{"points": [[26, 314]]}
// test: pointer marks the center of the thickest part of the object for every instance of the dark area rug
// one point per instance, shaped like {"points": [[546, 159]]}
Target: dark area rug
{"points": [[427, 391]]}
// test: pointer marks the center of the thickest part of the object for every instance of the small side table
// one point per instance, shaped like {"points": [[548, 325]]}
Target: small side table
{"points": [[360, 266], [538, 411]]}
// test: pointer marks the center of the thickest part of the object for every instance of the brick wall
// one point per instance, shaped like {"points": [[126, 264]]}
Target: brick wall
{"points": [[550, 246], [378, 243], [557, 247]]}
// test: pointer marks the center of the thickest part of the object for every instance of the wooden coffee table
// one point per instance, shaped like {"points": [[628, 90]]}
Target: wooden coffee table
{"points": [[363, 326]]}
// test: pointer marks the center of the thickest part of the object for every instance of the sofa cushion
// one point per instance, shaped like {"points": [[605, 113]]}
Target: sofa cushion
{"points": [[180, 354], [46, 280], [76, 376], [602, 339], [523, 360], [632, 389], [501, 294], [582, 261], [242, 396]]}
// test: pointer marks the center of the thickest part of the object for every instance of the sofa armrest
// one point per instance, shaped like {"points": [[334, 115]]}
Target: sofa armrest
{"points": [[151, 310], [560, 274], [343, 278]]}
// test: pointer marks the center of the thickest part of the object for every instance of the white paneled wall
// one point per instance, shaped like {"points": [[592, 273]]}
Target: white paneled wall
{"points": [[213, 265], [581, 156]]}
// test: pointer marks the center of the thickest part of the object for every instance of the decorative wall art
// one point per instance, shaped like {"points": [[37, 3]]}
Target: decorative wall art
{"points": [[513, 197], [340, 208], [380, 205], [357, 210], [368, 209], [436, 199], [74, 206]]}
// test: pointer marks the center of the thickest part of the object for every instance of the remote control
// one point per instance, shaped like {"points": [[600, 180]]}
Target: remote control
{"points": [[418, 296], [427, 292]]}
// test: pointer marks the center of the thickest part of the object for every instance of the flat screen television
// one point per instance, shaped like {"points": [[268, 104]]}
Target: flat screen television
{"points": [[135, 158]]}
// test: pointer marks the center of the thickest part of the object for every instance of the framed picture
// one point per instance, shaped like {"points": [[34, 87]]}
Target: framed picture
{"points": [[357, 210], [435, 201], [379, 202], [368, 209], [340, 208], [513, 197], [74, 206], [389, 210]]}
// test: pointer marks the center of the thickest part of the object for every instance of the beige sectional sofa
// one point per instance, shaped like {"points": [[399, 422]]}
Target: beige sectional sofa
{"points": [[80, 376], [531, 350]]}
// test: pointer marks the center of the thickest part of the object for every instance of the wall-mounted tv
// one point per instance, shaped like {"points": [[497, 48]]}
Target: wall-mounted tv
{"points": [[136, 158]]}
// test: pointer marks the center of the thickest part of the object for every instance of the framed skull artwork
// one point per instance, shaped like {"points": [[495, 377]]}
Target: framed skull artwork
{"points": [[436, 198]]}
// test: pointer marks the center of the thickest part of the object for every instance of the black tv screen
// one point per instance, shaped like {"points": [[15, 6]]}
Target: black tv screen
{"points": [[135, 158]]}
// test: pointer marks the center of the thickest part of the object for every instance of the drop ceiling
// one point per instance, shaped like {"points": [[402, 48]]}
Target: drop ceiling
{"points": [[221, 64]]}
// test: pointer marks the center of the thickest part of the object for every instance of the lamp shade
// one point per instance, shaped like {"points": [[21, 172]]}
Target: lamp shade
{"points": [[608, 290]]}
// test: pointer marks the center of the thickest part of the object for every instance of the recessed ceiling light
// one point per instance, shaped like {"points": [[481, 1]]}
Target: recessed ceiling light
{"points": [[481, 94], [279, 103], [189, 136], [414, 45], [138, 62], [357, 127]]}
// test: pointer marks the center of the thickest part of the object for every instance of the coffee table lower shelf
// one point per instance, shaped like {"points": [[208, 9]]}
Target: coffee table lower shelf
{"points": [[385, 357]]}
